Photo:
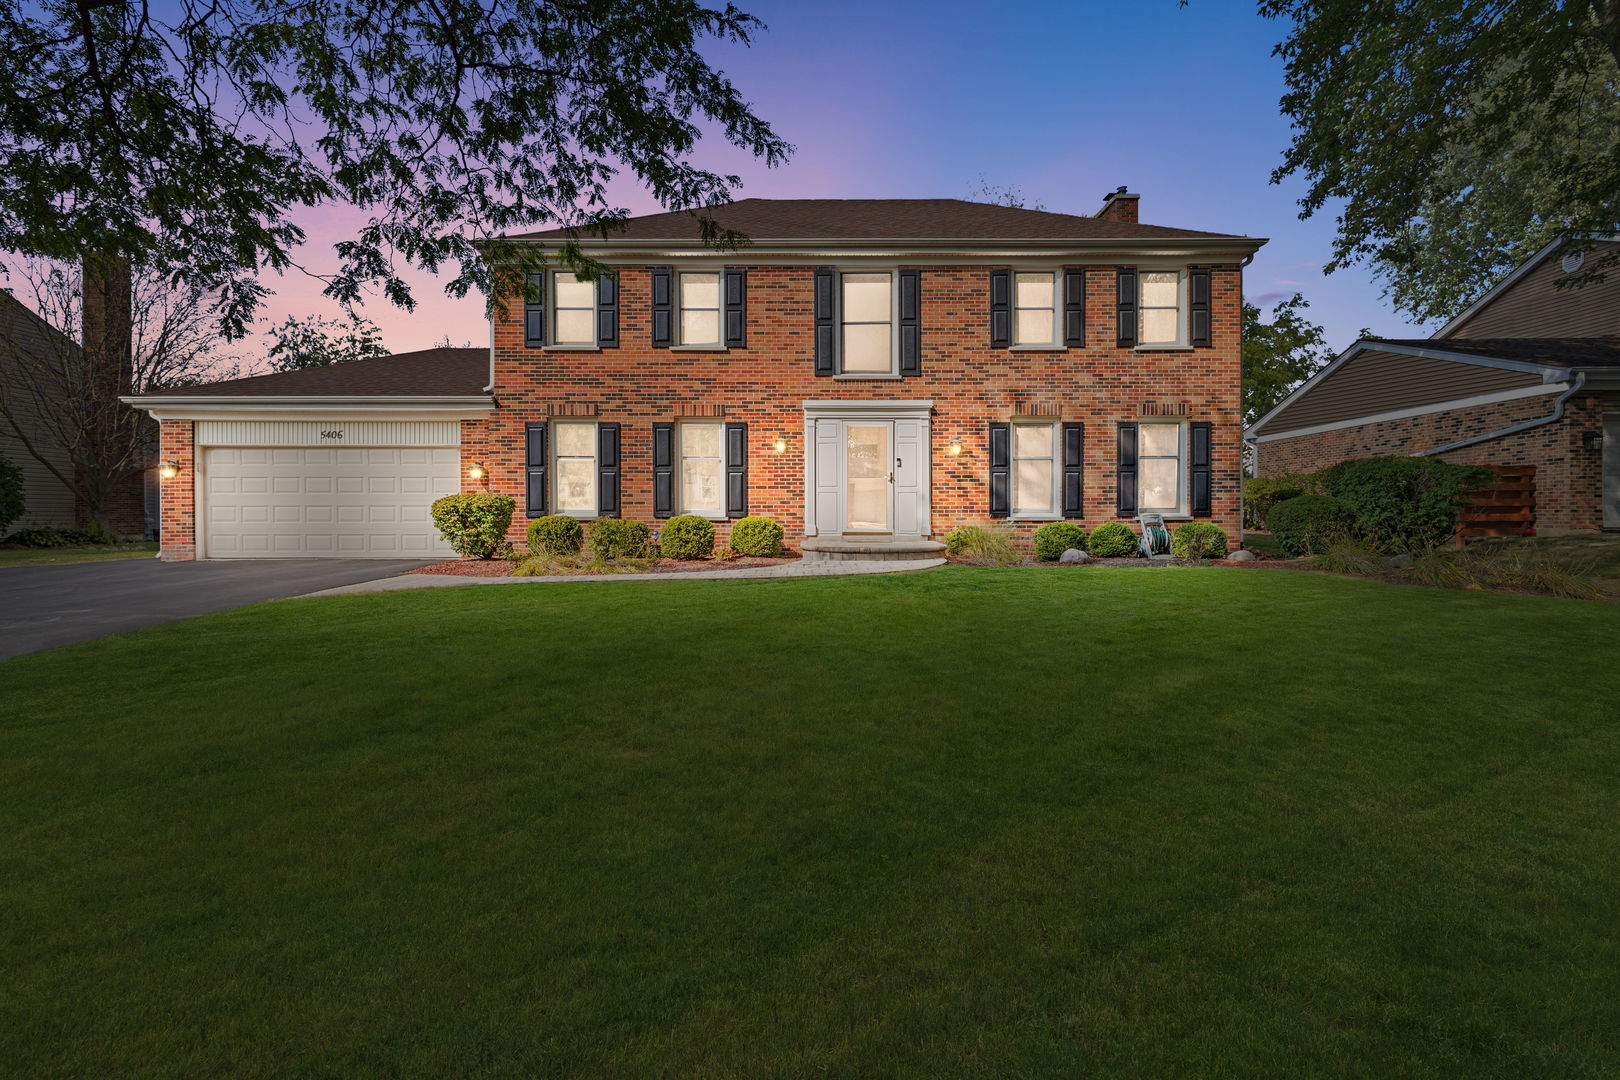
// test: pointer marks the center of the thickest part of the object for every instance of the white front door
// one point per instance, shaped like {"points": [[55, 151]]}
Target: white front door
{"points": [[867, 475], [868, 460]]}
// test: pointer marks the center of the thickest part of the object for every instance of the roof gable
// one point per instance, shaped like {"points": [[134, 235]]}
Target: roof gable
{"points": [[1528, 303], [444, 372]]}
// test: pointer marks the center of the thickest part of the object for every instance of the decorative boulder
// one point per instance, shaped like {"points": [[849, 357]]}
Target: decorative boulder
{"points": [[1073, 557], [1241, 555], [1399, 562]]}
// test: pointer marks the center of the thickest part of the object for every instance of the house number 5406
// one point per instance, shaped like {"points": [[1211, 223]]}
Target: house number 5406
{"points": [[332, 434]]}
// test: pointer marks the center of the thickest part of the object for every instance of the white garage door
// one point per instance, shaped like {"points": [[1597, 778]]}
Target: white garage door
{"points": [[341, 502]]}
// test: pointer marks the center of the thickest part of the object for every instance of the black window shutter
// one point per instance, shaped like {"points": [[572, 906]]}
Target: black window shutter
{"points": [[1074, 307], [1199, 432], [1125, 482], [607, 470], [607, 311], [663, 470], [736, 470], [1000, 309], [1127, 307], [534, 311], [1074, 467], [1000, 470], [825, 353], [911, 322], [736, 301], [534, 461], [1198, 292], [663, 314]]}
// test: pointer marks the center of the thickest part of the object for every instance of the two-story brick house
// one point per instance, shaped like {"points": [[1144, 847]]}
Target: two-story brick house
{"points": [[871, 373]]}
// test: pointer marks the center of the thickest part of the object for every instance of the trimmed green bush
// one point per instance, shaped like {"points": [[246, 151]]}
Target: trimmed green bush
{"points": [[1309, 524], [758, 536], [1261, 493], [1056, 537], [687, 537], [617, 538], [474, 524], [555, 534], [1198, 540], [12, 504], [47, 536], [1403, 504], [1114, 540]]}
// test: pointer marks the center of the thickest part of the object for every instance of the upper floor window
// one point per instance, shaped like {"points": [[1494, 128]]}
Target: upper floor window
{"points": [[1160, 318], [575, 452], [573, 310], [1035, 309], [1034, 461], [700, 309], [701, 448], [866, 317], [1160, 465]]}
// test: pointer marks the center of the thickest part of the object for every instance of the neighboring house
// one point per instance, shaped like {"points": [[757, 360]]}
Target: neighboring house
{"points": [[1527, 375], [26, 340], [869, 372]]}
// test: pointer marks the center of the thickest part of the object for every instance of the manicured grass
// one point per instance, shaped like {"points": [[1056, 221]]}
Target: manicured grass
{"points": [[969, 823], [60, 556]]}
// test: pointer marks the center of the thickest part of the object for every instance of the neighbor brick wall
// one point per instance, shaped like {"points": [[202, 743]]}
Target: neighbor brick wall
{"points": [[177, 540], [1569, 480], [970, 383]]}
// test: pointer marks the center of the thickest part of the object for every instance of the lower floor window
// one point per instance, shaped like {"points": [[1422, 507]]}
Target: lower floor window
{"points": [[1034, 469], [702, 469], [576, 469], [1159, 463]]}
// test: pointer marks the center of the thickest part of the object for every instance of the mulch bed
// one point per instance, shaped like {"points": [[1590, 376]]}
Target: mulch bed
{"points": [[504, 567]]}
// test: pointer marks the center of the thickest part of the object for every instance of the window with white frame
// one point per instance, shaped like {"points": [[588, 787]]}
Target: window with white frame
{"points": [[1160, 308], [700, 308], [1034, 308], [573, 310], [1034, 454], [866, 313], [701, 448], [1159, 465], [575, 455]]}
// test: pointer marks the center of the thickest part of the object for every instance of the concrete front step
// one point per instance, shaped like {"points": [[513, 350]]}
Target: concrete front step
{"points": [[838, 549]]}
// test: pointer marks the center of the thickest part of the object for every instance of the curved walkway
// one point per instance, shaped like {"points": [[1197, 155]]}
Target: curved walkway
{"points": [[800, 569]]}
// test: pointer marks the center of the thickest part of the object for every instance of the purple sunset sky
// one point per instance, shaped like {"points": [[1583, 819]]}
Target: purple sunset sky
{"points": [[1063, 100]]}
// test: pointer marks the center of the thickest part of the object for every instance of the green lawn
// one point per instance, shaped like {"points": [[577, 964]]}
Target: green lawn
{"points": [[969, 823], [60, 556]]}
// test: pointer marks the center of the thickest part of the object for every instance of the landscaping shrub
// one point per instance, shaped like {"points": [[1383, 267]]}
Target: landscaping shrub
{"points": [[555, 534], [983, 545], [758, 536], [49, 537], [1198, 540], [1520, 568], [474, 524], [1056, 537], [12, 504], [1351, 557], [687, 537], [1308, 524], [617, 538], [1403, 504], [1261, 493], [1113, 540]]}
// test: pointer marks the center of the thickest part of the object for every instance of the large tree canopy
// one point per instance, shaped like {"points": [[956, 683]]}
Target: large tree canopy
{"points": [[1461, 135], [185, 137]]}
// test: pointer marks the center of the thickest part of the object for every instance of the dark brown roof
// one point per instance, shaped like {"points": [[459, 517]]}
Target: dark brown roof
{"points": [[427, 373], [881, 219], [1565, 352]]}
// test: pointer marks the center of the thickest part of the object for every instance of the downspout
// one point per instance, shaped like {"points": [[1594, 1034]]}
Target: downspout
{"points": [[1555, 415], [490, 317]]}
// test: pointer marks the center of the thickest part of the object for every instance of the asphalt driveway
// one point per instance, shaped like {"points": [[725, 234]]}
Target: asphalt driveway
{"points": [[42, 607]]}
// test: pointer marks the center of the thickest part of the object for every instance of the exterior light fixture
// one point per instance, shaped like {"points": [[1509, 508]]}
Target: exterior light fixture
{"points": [[780, 446], [477, 471], [1592, 440], [955, 449], [168, 470]]}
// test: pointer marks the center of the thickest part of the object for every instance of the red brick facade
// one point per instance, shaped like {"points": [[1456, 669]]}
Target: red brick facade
{"points": [[970, 383], [178, 535]]}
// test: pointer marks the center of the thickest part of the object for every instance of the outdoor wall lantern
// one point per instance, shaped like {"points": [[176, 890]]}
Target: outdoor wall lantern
{"points": [[477, 471], [780, 445], [1592, 440], [168, 470], [955, 448]]}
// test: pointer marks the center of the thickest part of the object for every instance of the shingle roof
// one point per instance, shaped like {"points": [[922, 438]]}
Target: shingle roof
{"points": [[1566, 352], [426, 373], [881, 219]]}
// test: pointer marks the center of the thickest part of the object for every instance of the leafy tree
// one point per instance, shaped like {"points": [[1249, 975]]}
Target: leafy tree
{"points": [[184, 137], [315, 341], [12, 503], [1003, 195], [1461, 135], [1279, 355]]}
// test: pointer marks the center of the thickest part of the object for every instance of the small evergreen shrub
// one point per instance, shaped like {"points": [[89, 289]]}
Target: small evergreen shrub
{"points": [[12, 504], [474, 524], [758, 536], [1403, 504], [687, 537], [554, 535], [1056, 537], [47, 536], [1198, 540], [1113, 540], [618, 538], [1309, 524], [983, 545], [1261, 493]]}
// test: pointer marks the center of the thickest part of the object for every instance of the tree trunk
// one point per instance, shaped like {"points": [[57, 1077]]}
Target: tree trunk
{"points": [[108, 342]]}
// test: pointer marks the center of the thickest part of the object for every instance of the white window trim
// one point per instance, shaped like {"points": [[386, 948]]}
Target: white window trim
{"points": [[894, 323], [1180, 509], [1054, 342], [556, 472], [680, 476], [1181, 341], [681, 344], [595, 343], [1055, 511]]}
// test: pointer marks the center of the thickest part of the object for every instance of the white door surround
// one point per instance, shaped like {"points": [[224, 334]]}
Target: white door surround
{"points": [[1611, 470], [905, 425]]}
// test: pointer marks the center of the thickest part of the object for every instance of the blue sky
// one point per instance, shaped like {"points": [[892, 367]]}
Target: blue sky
{"points": [[1063, 100]]}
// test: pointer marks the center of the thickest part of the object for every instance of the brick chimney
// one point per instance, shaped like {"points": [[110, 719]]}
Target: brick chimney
{"points": [[1119, 205]]}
